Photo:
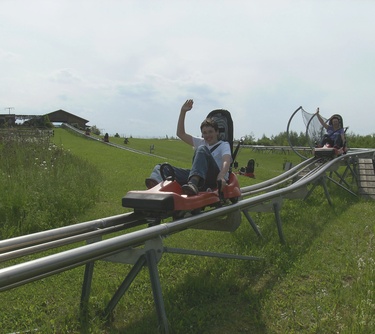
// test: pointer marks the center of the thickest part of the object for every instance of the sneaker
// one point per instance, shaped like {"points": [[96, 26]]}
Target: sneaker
{"points": [[190, 189], [150, 183]]}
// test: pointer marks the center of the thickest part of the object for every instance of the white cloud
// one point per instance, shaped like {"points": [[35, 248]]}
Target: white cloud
{"points": [[64, 76], [127, 66]]}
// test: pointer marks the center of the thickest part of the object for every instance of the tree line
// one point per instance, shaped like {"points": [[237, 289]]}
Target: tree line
{"points": [[296, 139], [300, 139]]}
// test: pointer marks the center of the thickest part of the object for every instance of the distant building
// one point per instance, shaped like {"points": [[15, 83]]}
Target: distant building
{"points": [[62, 116], [8, 119], [58, 116]]}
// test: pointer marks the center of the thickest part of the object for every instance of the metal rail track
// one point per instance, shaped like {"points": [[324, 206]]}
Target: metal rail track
{"points": [[270, 189]]}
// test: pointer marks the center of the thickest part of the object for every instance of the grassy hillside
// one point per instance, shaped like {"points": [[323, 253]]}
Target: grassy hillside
{"points": [[125, 170], [320, 281]]}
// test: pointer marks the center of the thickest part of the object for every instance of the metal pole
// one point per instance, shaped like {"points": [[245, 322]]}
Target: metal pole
{"points": [[9, 108], [156, 290]]}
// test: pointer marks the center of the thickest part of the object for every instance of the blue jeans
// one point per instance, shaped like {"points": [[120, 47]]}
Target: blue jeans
{"points": [[204, 165]]}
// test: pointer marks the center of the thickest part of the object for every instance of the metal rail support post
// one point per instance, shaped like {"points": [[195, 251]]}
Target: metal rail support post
{"points": [[124, 286], [139, 257], [156, 290], [252, 223], [276, 209], [86, 288], [323, 182]]}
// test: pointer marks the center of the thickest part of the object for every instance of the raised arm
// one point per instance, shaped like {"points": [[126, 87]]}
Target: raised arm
{"points": [[188, 139], [324, 124]]}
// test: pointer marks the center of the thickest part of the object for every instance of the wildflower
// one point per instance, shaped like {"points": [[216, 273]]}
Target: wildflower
{"points": [[361, 263]]}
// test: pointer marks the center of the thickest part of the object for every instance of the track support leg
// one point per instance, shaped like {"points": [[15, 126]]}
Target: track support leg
{"points": [[252, 223], [86, 288], [124, 286], [156, 290], [276, 209]]}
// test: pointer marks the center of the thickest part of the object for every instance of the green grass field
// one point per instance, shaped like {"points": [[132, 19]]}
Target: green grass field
{"points": [[320, 281]]}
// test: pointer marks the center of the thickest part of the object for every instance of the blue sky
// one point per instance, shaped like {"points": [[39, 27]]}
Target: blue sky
{"points": [[127, 66]]}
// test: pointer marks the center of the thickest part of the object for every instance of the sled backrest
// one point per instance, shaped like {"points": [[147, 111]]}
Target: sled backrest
{"points": [[224, 120], [338, 117]]}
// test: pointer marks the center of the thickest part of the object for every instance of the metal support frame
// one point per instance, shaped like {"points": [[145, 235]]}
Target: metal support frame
{"points": [[148, 256], [341, 183], [343, 176], [353, 170], [276, 209], [323, 183], [156, 290], [86, 288], [252, 223], [274, 206], [210, 254], [124, 285]]}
